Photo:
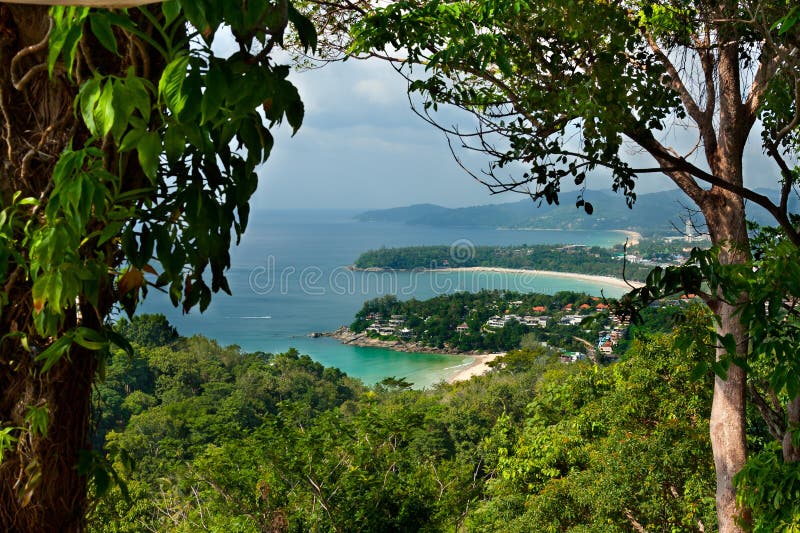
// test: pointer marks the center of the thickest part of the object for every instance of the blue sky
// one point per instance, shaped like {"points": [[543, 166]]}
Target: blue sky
{"points": [[362, 147]]}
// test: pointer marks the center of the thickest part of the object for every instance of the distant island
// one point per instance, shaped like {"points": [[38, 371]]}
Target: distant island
{"points": [[594, 260], [653, 214]]}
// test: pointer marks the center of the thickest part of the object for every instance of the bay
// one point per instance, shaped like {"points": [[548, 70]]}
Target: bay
{"points": [[289, 277]]}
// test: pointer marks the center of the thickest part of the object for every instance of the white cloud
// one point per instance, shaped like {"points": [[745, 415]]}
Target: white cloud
{"points": [[376, 91]]}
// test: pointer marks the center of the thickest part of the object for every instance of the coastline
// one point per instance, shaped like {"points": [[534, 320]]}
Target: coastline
{"points": [[634, 237], [346, 336], [607, 280], [478, 367]]}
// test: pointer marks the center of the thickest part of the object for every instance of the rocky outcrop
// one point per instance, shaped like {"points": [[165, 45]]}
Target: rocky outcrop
{"points": [[346, 336]]}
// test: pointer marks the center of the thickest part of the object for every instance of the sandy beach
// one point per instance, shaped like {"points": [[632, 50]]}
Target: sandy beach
{"points": [[634, 237], [476, 368], [607, 280]]}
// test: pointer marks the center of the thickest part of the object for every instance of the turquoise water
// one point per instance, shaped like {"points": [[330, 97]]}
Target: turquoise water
{"points": [[289, 278]]}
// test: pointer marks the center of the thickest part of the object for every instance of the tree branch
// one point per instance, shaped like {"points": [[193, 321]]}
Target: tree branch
{"points": [[672, 166], [758, 88], [700, 117], [774, 419], [686, 173], [795, 119]]}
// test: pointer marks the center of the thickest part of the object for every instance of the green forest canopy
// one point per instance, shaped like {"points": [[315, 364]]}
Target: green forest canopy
{"points": [[202, 434]]}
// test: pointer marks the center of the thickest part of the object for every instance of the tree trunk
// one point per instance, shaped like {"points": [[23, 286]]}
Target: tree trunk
{"points": [[41, 489], [791, 453], [727, 425], [725, 216]]}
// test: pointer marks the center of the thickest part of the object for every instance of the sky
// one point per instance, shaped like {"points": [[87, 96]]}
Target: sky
{"points": [[361, 147]]}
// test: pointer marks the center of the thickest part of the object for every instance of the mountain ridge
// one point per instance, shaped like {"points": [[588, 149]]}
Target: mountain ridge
{"points": [[661, 212]]}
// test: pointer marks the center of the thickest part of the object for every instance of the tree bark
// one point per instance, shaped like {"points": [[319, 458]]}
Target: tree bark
{"points": [[725, 216], [41, 489], [727, 425], [791, 453]]}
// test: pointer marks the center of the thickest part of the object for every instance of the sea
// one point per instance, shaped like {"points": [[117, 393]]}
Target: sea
{"points": [[290, 277]]}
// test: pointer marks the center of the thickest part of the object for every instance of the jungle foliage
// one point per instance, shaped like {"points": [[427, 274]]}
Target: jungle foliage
{"points": [[210, 438]]}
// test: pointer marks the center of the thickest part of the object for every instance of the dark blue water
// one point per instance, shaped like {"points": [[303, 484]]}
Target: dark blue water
{"points": [[289, 278]]}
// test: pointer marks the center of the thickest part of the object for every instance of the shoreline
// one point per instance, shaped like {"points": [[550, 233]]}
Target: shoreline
{"points": [[591, 278], [345, 336], [478, 367], [634, 237]]}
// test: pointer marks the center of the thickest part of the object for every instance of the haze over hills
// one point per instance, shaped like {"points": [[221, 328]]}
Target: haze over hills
{"points": [[653, 213]]}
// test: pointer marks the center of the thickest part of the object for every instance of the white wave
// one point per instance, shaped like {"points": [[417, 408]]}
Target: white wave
{"points": [[457, 366]]}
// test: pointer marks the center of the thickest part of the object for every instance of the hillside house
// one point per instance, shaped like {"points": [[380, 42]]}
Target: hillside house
{"points": [[535, 321], [571, 320]]}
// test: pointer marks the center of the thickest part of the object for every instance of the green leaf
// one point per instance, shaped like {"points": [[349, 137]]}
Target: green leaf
{"points": [[90, 339], [699, 371], [7, 440], [101, 28], [38, 418], [214, 95], [729, 343], [195, 14], [149, 153], [55, 352], [139, 96], [65, 36], [47, 289], [170, 87], [305, 29], [120, 341], [131, 139], [102, 481], [171, 10], [295, 112], [174, 143], [87, 100], [103, 112]]}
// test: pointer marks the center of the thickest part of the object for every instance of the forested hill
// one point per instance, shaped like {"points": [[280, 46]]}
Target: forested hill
{"points": [[198, 437], [654, 213], [585, 260]]}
